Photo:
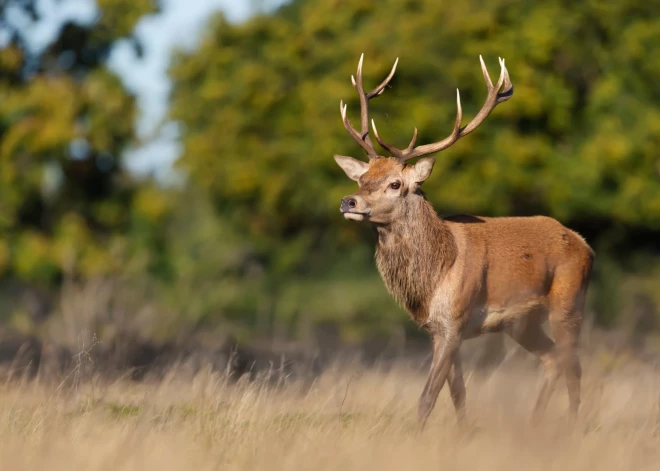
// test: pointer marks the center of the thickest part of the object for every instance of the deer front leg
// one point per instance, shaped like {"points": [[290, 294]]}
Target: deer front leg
{"points": [[445, 348]]}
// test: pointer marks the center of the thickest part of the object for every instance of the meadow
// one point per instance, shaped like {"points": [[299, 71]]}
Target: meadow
{"points": [[217, 226], [350, 417]]}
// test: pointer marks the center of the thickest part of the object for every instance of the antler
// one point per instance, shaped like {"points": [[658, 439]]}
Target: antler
{"points": [[492, 100], [363, 138]]}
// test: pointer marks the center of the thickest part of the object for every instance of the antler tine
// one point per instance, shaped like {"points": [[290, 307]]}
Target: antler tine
{"points": [[508, 86], [484, 70], [411, 146], [411, 152], [391, 149], [369, 148], [398, 153], [364, 105], [362, 137], [493, 98], [381, 88]]}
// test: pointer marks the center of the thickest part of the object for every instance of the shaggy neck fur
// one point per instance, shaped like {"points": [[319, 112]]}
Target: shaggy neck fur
{"points": [[413, 254]]}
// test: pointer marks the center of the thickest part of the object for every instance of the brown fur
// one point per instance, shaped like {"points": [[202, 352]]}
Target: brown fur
{"points": [[463, 276], [412, 256]]}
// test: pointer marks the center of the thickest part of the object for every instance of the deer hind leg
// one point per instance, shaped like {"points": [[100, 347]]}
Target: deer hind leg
{"points": [[457, 387], [533, 339], [566, 330], [565, 321]]}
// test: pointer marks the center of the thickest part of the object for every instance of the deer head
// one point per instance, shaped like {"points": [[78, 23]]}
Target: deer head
{"points": [[385, 183]]}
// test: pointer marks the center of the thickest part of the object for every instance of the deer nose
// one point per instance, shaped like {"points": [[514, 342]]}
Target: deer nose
{"points": [[347, 204]]}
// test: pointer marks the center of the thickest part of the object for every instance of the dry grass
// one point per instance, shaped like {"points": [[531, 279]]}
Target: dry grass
{"points": [[349, 419]]}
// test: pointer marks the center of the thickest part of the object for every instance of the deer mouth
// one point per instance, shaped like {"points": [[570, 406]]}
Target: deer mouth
{"points": [[356, 216]]}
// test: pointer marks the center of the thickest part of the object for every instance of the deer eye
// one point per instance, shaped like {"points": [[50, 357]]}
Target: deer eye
{"points": [[395, 185]]}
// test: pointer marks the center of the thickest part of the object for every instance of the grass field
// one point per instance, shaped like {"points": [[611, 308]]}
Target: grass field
{"points": [[348, 419]]}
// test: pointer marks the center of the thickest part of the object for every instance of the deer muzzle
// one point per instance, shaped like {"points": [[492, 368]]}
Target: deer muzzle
{"points": [[351, 208]]}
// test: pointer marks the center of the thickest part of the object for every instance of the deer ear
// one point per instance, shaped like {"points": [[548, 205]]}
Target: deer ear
{"points": [[423, 169], [353, 168]]}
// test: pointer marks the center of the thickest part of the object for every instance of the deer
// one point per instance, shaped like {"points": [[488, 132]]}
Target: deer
{"points": [[463, 276]]}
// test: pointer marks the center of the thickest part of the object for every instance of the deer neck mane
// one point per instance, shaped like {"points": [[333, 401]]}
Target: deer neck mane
{"points": [[413, 254]]}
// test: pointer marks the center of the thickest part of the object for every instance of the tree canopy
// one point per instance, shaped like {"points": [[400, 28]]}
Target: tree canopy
{"points": [[578, 141], [254, 238], [65, 121]]}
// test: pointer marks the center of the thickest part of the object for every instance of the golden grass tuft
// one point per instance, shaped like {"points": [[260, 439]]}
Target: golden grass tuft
{"points": [[350, 419]]}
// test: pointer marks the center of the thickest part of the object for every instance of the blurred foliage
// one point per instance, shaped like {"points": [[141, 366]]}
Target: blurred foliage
{"points": [[254, 239], [65, 120], [578, 141]]}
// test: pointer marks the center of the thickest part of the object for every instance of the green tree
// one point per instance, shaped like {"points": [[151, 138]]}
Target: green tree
{"points": [[258, 104], [65, 121]]}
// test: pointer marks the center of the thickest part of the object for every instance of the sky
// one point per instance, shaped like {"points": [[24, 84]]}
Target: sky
{"points": [[179, 25]]}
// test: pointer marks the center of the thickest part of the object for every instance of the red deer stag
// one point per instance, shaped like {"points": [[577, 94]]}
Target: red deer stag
{"points": [[463, 276]]}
